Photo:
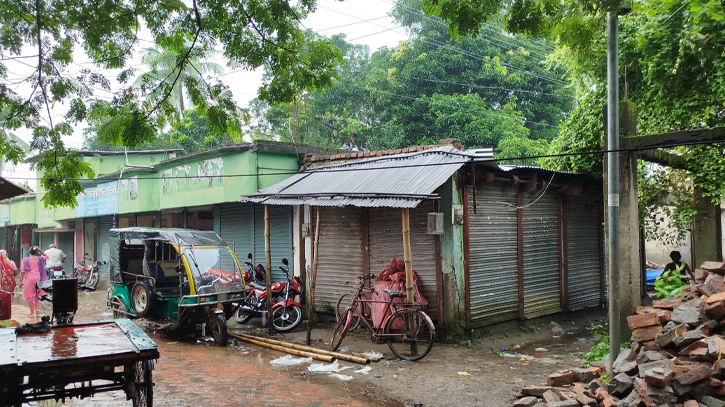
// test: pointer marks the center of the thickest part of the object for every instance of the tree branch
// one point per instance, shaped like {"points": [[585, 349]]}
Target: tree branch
{"points": [[180, 64], [264, 37], [40, 62]]}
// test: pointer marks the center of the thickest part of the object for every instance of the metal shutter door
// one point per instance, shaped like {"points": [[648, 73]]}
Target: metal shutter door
{"points": [[105, 224], [237, 229], [385, 235], [280, 238], [340, 254], [542, 271], [584, 233], [493, 256], [66, 241]]}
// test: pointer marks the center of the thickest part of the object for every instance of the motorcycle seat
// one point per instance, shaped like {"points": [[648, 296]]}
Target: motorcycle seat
{"points": [[257, 285]]}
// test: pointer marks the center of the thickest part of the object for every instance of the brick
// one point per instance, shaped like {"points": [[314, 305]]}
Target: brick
{"points": [[718, 369], [659, 377], [632, 400], [687, 314], [701, 275], [710, 401], [644, 368], [628, 368], [642, 321], [666, 304], [601, 393], [585, 400], [565, 394], [721, 391], [609, 401], [688, 338], [585, 375], [649, 356], [647, 334], [713, 284], [594, 385], [716, 267], [536, 391], [715, 310], [694, 375], [654, 396], [525, 402], [641, 309], [564, 403], [717, 297], [620, 385], [549, 397], [561, 379], [708, 327], [691, 403]]}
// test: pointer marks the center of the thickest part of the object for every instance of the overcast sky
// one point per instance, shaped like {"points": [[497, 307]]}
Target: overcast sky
{"points": [[362, 21]]}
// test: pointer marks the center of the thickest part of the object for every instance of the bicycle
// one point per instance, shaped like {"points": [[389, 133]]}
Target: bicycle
{"points": [[408, 329], [346, 300]]}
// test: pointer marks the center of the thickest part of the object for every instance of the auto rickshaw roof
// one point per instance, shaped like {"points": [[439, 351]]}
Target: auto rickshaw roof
{"points": [[179, 237]]}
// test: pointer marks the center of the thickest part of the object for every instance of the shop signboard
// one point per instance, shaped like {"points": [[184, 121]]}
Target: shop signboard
{"points": [[101, 199]]}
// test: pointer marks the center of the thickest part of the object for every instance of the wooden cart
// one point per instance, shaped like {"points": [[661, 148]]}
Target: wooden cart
{"points": [[77, 361]]}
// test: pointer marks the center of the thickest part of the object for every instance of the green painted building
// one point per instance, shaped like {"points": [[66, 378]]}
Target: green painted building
{"points": [[160, 189]]}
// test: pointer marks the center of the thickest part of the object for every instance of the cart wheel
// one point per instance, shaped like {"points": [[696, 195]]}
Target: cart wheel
{"points": [[219, 328], [144, 386], [141, 298]]}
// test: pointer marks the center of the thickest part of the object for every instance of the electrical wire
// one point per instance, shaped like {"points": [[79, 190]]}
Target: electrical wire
{"points": [[461, 154]]}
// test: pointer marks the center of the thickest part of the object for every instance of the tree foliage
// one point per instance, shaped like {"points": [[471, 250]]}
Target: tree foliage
{"points": [[432, 86], [44, 34]]}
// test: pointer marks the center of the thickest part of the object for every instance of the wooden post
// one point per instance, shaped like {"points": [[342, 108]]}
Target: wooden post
{"points": [[406, 253], [313, 277], [268, 255]]}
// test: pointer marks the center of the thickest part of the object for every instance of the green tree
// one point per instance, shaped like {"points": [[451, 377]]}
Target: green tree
{"points": [[164, 64], [45, 33]]}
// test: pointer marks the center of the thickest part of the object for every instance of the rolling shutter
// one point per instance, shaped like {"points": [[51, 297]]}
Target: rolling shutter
{"points": [[340, 254], [280, 237], [542, 271], [237, 229], [493, 256], [105, 224], [584, 234], [385, 234], [66, 242]]}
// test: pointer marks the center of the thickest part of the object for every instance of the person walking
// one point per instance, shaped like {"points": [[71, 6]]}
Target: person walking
{"points": [[8, 271], [33, 268]]}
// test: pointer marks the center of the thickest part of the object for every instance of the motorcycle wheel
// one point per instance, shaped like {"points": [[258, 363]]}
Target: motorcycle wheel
{"points": [[218, 326], [141, 299], [284, 321], [92, 282], [243, 315]]}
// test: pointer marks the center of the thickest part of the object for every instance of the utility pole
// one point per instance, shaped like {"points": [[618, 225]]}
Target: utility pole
{"points": [[613, 270]]}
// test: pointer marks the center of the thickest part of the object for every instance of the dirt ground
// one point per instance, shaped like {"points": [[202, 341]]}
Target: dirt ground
{"points": [[475, 372]]}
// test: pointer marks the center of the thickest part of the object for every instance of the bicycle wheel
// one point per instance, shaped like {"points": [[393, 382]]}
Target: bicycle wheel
{"points": [[413, 334], [345, 302], [341, 328]]}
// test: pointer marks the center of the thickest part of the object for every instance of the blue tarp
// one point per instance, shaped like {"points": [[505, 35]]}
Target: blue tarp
{"points": [[652, 275]]}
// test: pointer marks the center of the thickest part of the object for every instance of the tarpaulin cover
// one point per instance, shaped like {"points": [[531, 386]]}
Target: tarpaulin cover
{"points": [[391, 277], [178, 237]]}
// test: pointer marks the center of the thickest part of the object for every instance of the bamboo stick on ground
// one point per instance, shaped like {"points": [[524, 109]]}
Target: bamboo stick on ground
{"points": [[317, 356], [337, 355]]}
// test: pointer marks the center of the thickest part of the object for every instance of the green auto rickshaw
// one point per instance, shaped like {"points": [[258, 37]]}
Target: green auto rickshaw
{"points": [[177, 276]]}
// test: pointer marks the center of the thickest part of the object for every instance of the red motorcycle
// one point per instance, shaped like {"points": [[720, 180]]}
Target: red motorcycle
{"points": [[286, 313], [87, 275]]}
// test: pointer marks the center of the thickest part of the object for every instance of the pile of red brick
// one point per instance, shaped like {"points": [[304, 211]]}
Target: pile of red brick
{"points": [[676, 357]]}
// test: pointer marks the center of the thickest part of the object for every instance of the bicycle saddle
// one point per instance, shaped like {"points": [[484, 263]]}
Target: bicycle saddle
{"points": [[394, 294]]}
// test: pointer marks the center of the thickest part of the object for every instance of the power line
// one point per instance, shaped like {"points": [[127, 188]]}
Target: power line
{"points": [[461, 154]]}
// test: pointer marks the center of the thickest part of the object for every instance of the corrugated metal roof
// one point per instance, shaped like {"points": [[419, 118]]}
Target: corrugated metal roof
{"points": [[396, 181]]}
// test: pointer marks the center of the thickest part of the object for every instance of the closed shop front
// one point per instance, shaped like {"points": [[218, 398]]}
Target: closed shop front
{"points": [[584, 245], [492, 254], [105, 224], [340, 254], [242, 227], [542, 270], [385, 234]]}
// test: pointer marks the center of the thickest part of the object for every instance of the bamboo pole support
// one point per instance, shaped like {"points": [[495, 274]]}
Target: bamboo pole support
{"points": [[407, 255], [317, 356], [336, 355], [268, 255], [313, 277]]}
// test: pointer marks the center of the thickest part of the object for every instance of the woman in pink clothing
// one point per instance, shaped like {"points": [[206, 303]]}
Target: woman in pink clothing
{"points": [[7, 273], [33, 267]]}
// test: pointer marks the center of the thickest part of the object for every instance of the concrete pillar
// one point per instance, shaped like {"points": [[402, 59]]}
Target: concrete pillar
{"points": [[629, 295], [453, 260], [706, 231]]}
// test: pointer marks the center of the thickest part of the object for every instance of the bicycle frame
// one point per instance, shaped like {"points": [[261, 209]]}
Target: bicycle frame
{"points": [[391, 309]]}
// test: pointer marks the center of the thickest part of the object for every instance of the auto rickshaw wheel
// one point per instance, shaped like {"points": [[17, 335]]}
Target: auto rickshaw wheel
{"points": [[143, 392], [141, 298], [218, 326]]}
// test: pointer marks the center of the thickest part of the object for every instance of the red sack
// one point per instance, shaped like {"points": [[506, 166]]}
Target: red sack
{"points": [[391, 277]]}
